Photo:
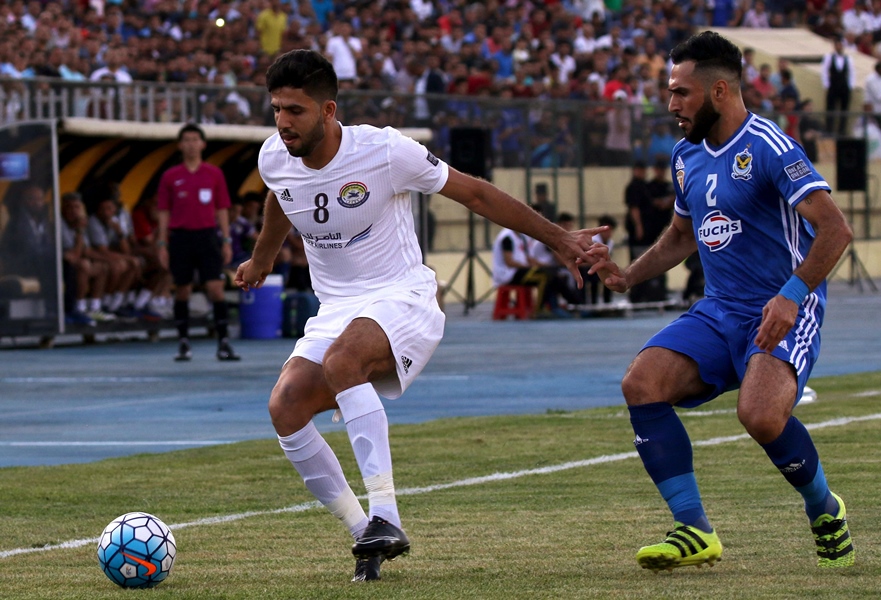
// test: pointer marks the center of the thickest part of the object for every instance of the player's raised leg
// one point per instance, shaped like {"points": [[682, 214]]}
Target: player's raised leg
{"points": [[767, 396], [360, 355], [656, 379]]}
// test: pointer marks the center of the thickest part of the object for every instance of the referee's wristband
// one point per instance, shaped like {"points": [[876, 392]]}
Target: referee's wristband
{"points": [[227, 240], [795, 289], [161, 243]]}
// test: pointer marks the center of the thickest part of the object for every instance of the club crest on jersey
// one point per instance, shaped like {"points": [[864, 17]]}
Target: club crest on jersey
{"points": [[353, 194], [717, 230], [743, 164], [680, 173]]}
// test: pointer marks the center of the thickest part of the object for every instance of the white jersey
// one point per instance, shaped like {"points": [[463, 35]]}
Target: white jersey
{"points": [[354, 214]]}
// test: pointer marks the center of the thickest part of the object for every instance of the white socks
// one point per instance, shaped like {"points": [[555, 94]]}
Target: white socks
{"points": [[367, 425], [321, 472]]}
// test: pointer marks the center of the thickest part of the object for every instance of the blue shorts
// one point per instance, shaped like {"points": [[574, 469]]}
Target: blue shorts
{"points": [[720, 336]]}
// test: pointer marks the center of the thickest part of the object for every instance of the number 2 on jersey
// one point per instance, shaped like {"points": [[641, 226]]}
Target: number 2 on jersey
{"points": [[711, 189]]}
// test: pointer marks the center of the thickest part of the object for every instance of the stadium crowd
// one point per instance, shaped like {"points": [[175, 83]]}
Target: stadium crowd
{"points": [[605, 52], [430, 63]]}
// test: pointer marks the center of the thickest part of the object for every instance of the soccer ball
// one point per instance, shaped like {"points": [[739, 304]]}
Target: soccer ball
{"points": [[136, 550]]}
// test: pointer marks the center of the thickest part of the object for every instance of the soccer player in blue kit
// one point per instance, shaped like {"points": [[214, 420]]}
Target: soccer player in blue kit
{"points": [[768, 234]]}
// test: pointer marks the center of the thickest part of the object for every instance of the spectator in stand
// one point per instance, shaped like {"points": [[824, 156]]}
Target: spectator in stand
{"points": [[84, 279], [838, 75], [604, 237], [660, 143], [27, 246], [787, 87], [145, 223], [114, 67], [872, 93], [271, 24], [508, 133], [110, 241], [810, 130], [619, 120], [762, 84], [323, 10], [193, 203], [343, 50], [757, 17], [857, 20], [513, 265], [750, 73], [243, 234]]}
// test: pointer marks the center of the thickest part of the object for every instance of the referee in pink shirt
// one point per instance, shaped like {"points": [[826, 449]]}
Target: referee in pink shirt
{"points": [[193, 202]]}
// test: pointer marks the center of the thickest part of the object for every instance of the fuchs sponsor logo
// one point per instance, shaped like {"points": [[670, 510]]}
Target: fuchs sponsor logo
{"points": [[717, 230], [353, 194], [797, 170]]}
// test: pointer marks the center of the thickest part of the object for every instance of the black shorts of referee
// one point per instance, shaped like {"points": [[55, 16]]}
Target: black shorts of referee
{"points": [[194, 250]]}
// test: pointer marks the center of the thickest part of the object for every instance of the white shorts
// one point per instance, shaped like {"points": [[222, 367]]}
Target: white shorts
{"points": [[409, 316]]}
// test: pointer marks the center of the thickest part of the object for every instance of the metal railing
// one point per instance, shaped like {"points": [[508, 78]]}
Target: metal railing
{"points": [[550, 138]]}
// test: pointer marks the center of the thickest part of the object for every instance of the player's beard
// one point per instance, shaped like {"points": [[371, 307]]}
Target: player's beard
{"points": [[703, 122], [309, 141]]}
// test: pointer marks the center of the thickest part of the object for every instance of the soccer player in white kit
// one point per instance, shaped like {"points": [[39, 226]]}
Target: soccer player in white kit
{"points": [[347, 190]]}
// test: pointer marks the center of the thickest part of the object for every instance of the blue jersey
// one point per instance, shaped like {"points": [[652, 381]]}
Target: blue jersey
{"points": [[741, 200]]}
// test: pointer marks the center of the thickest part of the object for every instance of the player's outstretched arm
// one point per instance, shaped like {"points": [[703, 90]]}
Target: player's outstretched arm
{"points": [[276, 225], [487, 200], [833, 234]]}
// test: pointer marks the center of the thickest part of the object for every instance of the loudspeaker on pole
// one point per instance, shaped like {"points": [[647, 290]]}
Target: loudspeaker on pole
{"points": [[850, 164], [471, 151]]}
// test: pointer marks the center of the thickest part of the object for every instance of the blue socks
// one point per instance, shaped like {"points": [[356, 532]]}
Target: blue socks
{"points": [[665, 450], [795, 455]]}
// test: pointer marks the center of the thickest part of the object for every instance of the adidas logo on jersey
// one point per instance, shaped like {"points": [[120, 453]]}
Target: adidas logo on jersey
{"points": [[680, 164], [285, 195], [406, 362]]}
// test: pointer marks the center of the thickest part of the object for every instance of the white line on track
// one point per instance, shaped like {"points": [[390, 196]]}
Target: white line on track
{"points": [[81, 379], [112, 443], [599, 460]]}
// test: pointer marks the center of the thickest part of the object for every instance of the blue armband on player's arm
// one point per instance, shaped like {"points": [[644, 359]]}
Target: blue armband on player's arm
{"points": [[795, 289]]}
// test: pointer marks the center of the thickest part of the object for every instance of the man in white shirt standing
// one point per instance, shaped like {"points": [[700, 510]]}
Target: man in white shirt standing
{"points": [[343, 50], [872, 94], [347, 190]]}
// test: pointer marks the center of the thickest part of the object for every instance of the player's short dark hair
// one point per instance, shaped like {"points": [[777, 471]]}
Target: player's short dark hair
{"points": [[306, 70], [565, 217], [710, 51], [188, 128]]}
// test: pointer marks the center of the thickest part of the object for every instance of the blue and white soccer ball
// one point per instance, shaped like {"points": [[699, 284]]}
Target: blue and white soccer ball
{"points": [[136, 550]]}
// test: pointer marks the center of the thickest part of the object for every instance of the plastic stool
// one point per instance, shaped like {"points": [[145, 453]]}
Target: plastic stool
{"points": [[513, 300]]}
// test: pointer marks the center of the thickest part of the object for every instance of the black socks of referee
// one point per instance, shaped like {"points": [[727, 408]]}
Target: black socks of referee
{"points": [[182, 318], [221, 319]]}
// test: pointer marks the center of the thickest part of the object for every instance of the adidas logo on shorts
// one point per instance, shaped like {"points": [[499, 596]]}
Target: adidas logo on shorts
{"points": [[406, 362]]}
